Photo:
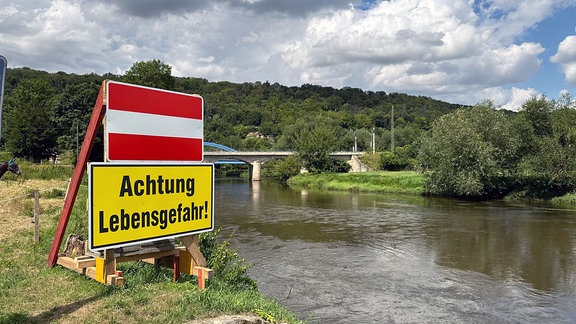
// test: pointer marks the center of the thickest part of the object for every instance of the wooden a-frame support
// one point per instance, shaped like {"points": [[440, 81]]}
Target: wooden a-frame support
{"points": [[187, 259]]}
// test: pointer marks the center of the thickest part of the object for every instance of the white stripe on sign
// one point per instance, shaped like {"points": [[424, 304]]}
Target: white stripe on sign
{"points": [[127, 122]]}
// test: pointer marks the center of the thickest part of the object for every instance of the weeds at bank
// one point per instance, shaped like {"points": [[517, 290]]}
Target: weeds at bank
{"points": [[406, 182], [569, 199], [32, 292]]}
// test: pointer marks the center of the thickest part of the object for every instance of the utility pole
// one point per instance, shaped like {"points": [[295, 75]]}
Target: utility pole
{"points": [[373, 141], [3, 64]]}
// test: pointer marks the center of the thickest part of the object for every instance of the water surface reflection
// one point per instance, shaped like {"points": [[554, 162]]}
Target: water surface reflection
{"points": [[349, 257]]}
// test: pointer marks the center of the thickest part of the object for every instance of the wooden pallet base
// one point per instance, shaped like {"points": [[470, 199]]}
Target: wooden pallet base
{"points": [[102, 266], [86, 265]]}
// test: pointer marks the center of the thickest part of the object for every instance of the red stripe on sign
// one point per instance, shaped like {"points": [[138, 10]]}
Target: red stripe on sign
{"points": [[130, 147], [128, 97]]}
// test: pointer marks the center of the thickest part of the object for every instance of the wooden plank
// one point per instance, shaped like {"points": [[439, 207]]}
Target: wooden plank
{"points": [[187, 263], [109, 262], [147, 255], [112, 280], [100, 274], [93, 254], [68, 262], [191, 242], [93, 125], [85, 262], [91, 272], [71, 264], [119, 281], [140, 249], [203, 274], [148, 260]]}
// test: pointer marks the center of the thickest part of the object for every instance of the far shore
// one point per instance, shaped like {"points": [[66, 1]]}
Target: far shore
{"points": [[404, 182], [401, 182]]}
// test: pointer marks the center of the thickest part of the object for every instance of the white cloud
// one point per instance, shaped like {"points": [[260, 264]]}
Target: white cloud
{"points": [[566, 58], [428, 47], [517, 98], [455, 50], [509, 99]]}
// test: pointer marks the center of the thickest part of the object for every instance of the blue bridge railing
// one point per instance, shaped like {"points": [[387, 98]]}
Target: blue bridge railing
{"points": [[223, 148]]}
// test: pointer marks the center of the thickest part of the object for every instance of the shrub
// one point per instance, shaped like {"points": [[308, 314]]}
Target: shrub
{"points": [[546, 187], [227, 265], [286, 169]]}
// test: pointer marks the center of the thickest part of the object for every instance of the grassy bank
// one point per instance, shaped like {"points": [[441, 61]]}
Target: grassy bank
{"points": [[569, 199], [409, 182], [32, 292], [403, 182]]}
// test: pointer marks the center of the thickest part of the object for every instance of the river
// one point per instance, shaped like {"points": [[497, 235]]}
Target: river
{"points": [[339, 257]]}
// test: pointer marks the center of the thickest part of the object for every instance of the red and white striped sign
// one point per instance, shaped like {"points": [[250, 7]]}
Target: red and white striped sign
{"points": [[147, 124]]}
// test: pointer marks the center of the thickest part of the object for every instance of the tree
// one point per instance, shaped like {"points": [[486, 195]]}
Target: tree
{"points": [[314, 144], [549, 136], [286, 168], [71, 113], [469, 153], [537, 112], [30, 133], [154, 73]]}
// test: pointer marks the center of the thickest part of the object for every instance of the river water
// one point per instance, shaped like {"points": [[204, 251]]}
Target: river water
{"points": [[335, 257]]}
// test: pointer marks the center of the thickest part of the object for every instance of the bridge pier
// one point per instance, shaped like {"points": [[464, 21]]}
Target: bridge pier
{"points": [[255, 170]]}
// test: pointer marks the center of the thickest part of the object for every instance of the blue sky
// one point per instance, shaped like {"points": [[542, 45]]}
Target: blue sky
{"points": [[550, 32], [460, 51]]}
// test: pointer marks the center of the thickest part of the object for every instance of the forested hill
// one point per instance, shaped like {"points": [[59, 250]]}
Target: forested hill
{"points": [[246, 116]]}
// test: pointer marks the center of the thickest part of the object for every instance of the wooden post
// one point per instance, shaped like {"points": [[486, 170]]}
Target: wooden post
{"points": [[95, 120], [176, 268], [201, 280], [203, 274], [109, 262], [36, 217], [191, 242]]}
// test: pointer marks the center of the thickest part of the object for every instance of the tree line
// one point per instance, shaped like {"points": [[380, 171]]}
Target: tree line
{"points": [[469, 152], [45, 113]]}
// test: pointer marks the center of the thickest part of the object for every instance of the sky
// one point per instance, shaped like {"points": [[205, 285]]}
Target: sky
{"points": [[459, 51]]}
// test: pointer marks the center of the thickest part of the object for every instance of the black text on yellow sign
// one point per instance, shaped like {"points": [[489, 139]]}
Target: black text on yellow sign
{"points": [[136, 203]]}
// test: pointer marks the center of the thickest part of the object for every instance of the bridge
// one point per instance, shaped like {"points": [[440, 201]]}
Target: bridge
{"points": [[256, 159]]}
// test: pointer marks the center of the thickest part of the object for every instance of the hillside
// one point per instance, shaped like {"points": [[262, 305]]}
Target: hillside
{"points": [[246, 116]]}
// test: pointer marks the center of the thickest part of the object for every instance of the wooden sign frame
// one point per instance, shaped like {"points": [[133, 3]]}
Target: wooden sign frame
{"points": [[187, 259]]}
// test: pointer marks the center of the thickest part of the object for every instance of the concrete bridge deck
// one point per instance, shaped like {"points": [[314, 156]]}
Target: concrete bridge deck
{"points": [[256, 159]]}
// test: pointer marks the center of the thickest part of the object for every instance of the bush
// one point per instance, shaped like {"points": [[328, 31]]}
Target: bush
{"points": [[225, 262], [371, 160], [338, 166], [286, 169], [396, 161], [546, 187], [469, 153]]}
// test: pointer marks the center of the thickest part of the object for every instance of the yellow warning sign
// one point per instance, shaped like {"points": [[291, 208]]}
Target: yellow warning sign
{"points": [[135, 203]]}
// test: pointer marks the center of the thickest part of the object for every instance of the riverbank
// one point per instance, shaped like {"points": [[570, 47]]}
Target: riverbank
{"points": [[32, 292], [405, 182], [402, 182]]}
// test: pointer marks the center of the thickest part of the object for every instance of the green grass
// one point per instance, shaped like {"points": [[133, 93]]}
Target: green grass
{"points": [[406, 182], [32, 292], [569, 199]]}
